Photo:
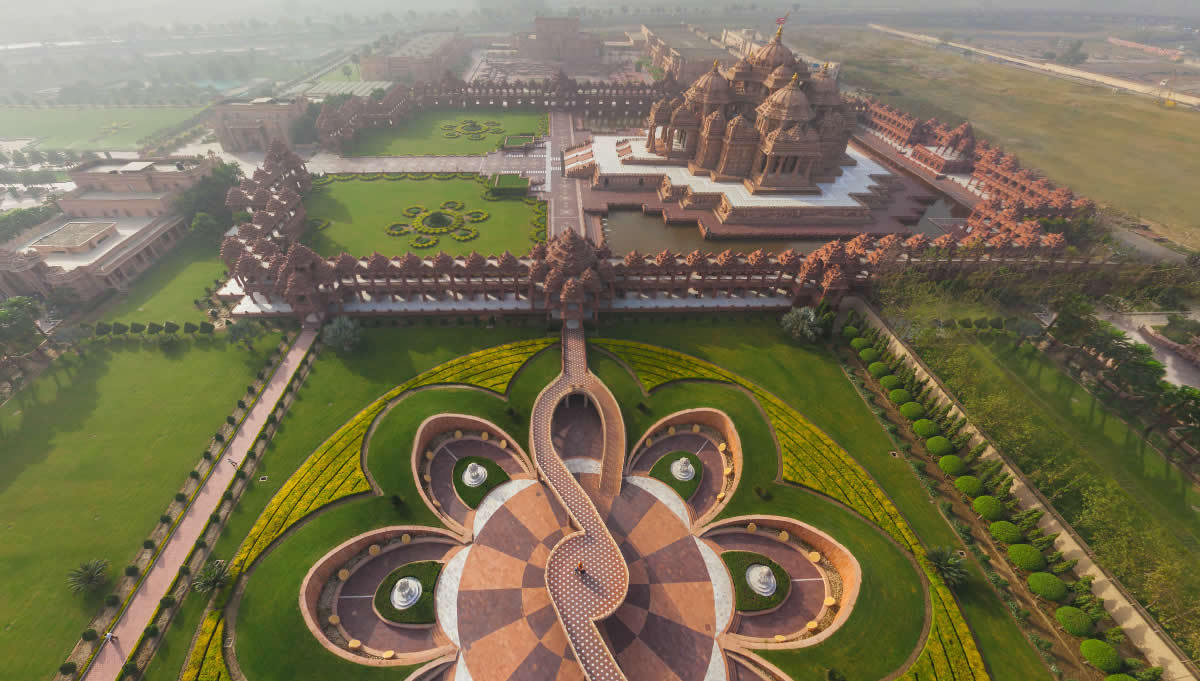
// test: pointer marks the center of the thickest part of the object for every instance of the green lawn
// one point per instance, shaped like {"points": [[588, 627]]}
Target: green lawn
{"points": [[92, 452], [1123, 150], [812, 381], [338, 76], [94, 129], [359, 213], [423, 134], [167, 289]]}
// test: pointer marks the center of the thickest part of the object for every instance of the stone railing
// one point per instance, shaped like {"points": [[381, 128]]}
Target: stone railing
{"points": [[1188, 352], [1143, 630]]}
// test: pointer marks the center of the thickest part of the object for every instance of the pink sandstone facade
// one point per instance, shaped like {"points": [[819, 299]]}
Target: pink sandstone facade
{"points": [[250, 126], [421, 59], [114, 225]]}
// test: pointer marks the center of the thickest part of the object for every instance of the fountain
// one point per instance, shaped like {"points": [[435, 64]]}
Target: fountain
{"points": [[406, 593], [474, 475], [682, 469], [761, 579]]}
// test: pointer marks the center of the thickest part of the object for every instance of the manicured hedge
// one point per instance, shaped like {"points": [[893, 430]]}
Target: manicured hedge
{"points": [[876, 369], [1074, 620], [969, 485], [891, 382], [1007, 533], [900, 396], [868, 355], [1101, 655], [988, 507], [850, 332], [1026, 557], [911, 410], [925, 428], [950, 464], [860, 344], [1048, 586], [939, 446]]}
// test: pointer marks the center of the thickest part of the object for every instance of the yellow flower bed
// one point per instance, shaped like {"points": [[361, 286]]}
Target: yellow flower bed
{"points": [[206, 661], [811, 459], [334, 470]]}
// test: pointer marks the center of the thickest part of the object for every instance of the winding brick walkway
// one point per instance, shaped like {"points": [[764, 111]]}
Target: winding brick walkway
{"points": [[112, 655], [580, 599]]}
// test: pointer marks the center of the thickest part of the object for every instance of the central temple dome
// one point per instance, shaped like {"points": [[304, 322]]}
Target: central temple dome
{"points": [[774, 53]]}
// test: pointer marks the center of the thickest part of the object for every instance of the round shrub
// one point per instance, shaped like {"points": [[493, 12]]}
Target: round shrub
{"points": [[1047, 586], [925, 428], [849, 331], [876, 369], [951, 465], [1101, 655], [112, 599], [860, 344], [1026, 557], [67, 668], [132, 571], [1119, 677], [911, 410], [988, 507], [1007, 533], [89, 635], [1074, 620], [969, 485], [891, 382], [899, 396], [148, 544], [938, 446], [868, 355]]}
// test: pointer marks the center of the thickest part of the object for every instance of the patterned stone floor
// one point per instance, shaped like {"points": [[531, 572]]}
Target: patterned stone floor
{"points": [[804, 601], [704, 448], [441, 470], [355, 605]]}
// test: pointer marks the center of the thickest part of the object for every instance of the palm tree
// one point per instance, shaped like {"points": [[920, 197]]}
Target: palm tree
{"points": [[802, 324], [948, 564], [213, 577], [88, 576]]}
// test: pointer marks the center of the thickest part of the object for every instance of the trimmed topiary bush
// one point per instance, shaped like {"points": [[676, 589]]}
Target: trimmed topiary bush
{"points": [[925, 428], [1075, 621], [988, 507], [859, 344], [951, 465], [939, 446], [876, 369], [1026, 557], [1049, 587], [868, 355], [900, 396], [969, 485], [1007, 533], [850, 332], [891, 382], [911, 410], [1101, 655]]}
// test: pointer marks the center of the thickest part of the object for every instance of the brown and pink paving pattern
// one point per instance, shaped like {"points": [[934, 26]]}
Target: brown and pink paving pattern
{"points": [[581, 565]]}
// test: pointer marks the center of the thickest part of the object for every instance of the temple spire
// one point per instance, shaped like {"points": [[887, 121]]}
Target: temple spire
{"points": [[779, 33]]}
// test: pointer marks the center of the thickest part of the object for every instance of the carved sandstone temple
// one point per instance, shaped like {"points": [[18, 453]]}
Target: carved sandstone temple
{"points": [[756, 149]]}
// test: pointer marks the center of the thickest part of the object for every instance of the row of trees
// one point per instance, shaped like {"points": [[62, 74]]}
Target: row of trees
{"points": [[58, 157]]}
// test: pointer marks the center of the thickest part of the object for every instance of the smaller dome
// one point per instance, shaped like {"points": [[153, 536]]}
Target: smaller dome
{"points": [[780, 76], [787, 104], [710, 88], [823, 91]]}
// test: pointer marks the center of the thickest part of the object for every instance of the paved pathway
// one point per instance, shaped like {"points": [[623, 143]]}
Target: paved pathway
{"points": [[582, 598], [1179, 370], [566, 202], [107, 665]]}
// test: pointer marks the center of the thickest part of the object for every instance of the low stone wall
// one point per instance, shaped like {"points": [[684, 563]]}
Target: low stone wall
{"points": [[1142, 629], [1187, 352]]}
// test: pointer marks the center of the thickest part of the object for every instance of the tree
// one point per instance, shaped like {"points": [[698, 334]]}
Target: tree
{"points": [[213, 577], [948, 564], [346, 70], [342, 333], [802, 324], [88, 576], [206, 227], [18, 324], [243, 332], [170, 327]]}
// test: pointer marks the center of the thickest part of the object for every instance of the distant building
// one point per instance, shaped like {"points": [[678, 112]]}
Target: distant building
{"points": [[114, 225], [682, 51], [251, 125], [559, 40], [421, 59]]}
